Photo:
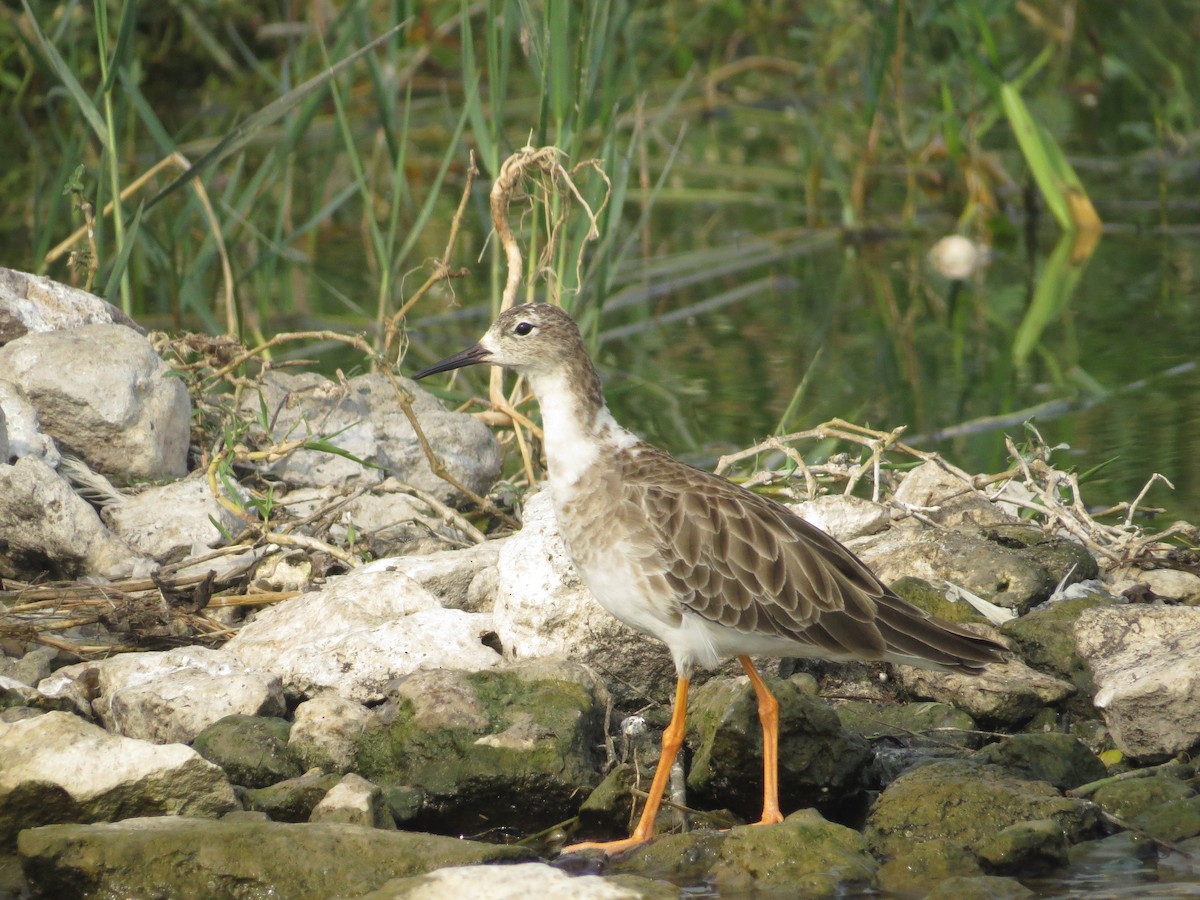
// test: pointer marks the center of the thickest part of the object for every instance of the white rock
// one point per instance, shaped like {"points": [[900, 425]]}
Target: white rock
{"points": [[25, 436], [325, 730], [364, 418], [58, 768], [106, 396], [173, 521], [172, 696], [1144, 662], [366, 628], [36, 303], [512, 882], [947, 499], [354, 801], [449, 574], [45, 525], [542, 610], [843, 517]]}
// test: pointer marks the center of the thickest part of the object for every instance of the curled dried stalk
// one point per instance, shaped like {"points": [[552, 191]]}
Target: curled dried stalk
{"points": [[531, 163]]}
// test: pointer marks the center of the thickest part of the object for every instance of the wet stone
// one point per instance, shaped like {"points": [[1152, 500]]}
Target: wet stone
{"points": [[1172, 821], [926, 864], [1025, 848], [292, 800], [979, 887]]}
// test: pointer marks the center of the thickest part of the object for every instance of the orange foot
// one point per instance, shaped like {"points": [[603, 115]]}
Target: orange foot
{"points": [[612, 848]]}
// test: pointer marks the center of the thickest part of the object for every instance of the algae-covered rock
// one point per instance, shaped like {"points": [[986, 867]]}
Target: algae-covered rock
{"points": [[1025, 848], [804, 856], [1172, 821], [966, 802], [292, 800], [925, 864], [1059, 759], [1065, 560], [921, 593], [252, 750], [198, 858], [1045, 639], [1129, 799], [512, 749], [818, 758], [532, 879], [979, 887]]}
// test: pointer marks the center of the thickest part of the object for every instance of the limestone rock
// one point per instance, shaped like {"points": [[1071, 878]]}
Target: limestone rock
{"points": [[195, 859], [364, 418], [141, 520], [46, 528], [172, 696], [293, 799], [34, 303], [58, 768], [518, 882], [450, 574], [992, 562], [324, 732], [1143, 659], [843, 517], [1056, 758], [364, 629], [354, 801], [947, 498], [105, 396], [23, 430]]}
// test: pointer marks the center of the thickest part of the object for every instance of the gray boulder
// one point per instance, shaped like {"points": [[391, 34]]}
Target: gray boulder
{"points": [[104, 395]]}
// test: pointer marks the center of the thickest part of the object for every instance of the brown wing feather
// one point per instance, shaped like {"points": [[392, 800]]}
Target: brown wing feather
{"points": [[751, 564]]}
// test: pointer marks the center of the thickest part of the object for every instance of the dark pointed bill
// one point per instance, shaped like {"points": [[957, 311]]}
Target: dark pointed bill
{"points": [[468, 357]]}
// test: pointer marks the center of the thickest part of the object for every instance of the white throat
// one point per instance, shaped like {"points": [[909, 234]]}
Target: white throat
{"points": [[576, 432]]}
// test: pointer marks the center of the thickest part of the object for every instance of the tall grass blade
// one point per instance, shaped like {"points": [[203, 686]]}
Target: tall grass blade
{"points": [[86, 107], [124, 33], [121, 263]]}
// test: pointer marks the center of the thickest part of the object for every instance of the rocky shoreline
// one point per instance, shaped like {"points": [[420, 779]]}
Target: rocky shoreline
{"points": [[285, 663]]}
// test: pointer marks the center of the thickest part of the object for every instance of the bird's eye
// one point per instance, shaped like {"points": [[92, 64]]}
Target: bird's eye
{"points": [[523, 328]]}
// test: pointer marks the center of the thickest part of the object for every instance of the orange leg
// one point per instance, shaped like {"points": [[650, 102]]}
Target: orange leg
{"points": [[672, 740], [768, 714]]}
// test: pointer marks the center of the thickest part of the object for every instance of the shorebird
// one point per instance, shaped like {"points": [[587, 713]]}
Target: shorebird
{"points": [[709, 568]]}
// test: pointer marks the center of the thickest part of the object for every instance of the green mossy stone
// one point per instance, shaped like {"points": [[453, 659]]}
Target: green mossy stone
{"points": [[966, 802], [292, 800], [921, 593], [1066, 561], [805, 854], [926, 864], [1025, 848], [197, 859], [922, 723], [1129, 799], [1056, 758], [979, 887], [253, 750], [1174, 821]]}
